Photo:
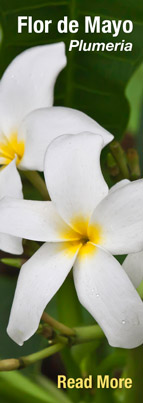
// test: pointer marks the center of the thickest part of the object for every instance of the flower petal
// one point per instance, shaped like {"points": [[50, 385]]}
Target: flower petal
{"points": [[105, 290], [44, 273], [11, 244], [28, 83], [133, 266], [74, 178], [119, 185], [42, 126], [120, 216], [35, 220], [10, 182], [10, 185]]}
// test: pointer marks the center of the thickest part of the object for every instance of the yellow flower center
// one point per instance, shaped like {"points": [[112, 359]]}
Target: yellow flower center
{"points": [[11, 148], [87, 236]]}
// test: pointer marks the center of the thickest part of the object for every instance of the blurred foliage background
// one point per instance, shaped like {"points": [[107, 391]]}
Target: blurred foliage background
{"points": [[108, 86]]}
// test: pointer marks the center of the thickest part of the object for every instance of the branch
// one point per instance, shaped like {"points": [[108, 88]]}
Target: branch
{"points": [[65, 330], [66, 337], [22, 362]]}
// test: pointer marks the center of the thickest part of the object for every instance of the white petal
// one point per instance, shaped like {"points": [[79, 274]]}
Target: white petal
{"points": [[10, 244], [119, 185], [106, 292], [120, 216], [73, 176], [28, 83], [10, 182], [35, 220], [39, 279], [133, 266], [10, 185], [40, 127]]}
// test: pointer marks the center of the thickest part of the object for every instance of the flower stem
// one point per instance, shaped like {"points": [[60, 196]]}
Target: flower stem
{"points": [[74, 336], [22, 362], [36, 180], [133, 163], [77, 335], [65, 330], [120, 157], [85, 334]]}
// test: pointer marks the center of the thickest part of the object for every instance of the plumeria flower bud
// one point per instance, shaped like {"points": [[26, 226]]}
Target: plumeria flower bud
{"points": [[10, 185], [26, 85], [83, 226]]}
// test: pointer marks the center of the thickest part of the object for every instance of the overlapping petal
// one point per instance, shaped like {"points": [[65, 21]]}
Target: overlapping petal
{"points": [[105, 290], [28, 83], [120, 216], [34, 220], [133, 266], [40, 127], [39, 279], [74, 178]]}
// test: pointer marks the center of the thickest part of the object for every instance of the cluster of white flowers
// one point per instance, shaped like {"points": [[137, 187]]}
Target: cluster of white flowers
{"points": [[84, 224]]}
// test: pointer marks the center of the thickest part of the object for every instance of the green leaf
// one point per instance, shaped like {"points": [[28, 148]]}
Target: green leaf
{"points": [[16, 387], [134, 92], [48, 385], [94, 82]]}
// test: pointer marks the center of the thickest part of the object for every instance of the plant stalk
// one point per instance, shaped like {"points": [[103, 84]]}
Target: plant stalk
{"points": [[77, 335], [120, 157], [65, 330], [74, 336], [22, 362], [88, 333]]}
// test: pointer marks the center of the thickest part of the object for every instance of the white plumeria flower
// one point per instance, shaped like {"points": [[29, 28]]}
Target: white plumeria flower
{"points": [[10, 185], [28, 123], [42, 126], [133, 265], [26, 85], [82, 226]]}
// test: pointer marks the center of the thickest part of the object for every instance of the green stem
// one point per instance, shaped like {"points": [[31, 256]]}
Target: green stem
{"points": [[36, 180], [88, 333], [112, 166], [65, 330], [120, 157], [22, 362], [79, 334], [75, 336], [133, 163]]}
